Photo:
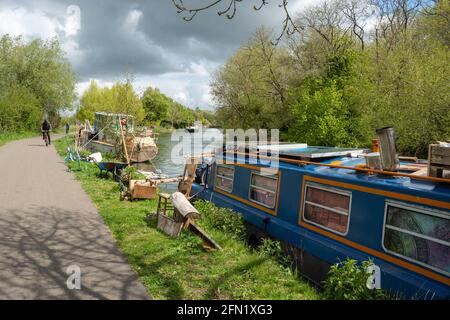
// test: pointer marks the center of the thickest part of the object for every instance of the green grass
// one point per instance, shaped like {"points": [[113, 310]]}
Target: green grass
{"points": [[6, 137], [181, 268]]}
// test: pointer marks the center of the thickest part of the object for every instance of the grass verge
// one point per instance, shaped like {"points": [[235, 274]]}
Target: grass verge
{"points": [[180, 268], [6, 137]]}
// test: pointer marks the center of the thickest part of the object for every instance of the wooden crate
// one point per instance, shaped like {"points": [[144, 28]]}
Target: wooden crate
{"points": [[439, 155], [439, 161], [142, 190]]}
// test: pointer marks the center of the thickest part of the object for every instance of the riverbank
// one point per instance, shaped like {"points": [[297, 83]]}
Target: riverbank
{"points": [[163, 130], [180, 268]]}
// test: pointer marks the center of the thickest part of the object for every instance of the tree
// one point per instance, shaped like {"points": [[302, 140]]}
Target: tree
{"points": [[174, 114], [120, 98], [322, 117], [289, 26], [155, 104], [126, 100], [435, 22], [340, 81], [91, 102], [20, 110], [38, 71], [251, 89]]}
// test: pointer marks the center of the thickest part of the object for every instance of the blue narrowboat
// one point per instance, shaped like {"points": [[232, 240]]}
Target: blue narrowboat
{"points": [[324, 207]]}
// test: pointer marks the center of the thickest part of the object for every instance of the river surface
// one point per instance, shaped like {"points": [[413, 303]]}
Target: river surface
{"points": [[168, 163]]}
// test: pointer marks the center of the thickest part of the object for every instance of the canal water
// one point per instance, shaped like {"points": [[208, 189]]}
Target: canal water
{"points": [[167, 162]]}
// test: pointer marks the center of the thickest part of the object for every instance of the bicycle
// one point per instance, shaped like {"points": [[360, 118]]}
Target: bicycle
{"points": [[46, 137]]}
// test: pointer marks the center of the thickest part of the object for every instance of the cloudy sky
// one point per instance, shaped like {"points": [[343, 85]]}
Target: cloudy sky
{"points": [[145, 37]]}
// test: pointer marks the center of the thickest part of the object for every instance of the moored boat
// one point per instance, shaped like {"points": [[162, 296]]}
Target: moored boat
{"points": [[192, 129], [142, 148], [327, 204], [106, 137]]}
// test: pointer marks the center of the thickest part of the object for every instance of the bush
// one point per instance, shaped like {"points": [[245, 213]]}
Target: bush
{"points": [[272, 248], [20, 110], [222, 219], [322, 117], [134, 175], [347, 281]]}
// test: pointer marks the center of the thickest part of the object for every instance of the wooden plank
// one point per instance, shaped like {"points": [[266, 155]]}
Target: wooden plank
{"points": [[439, 155], [169, 226], [439, 159], [440, 150], [208, 241], [410, 168], [166, 180], [421, 172], [411, 159], [124, 142]]}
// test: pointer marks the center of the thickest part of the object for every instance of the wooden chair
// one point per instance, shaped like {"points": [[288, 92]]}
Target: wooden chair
{"points": [[185, 185]]}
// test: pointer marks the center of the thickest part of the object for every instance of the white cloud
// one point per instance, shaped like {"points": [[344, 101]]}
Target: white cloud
{"points": [[82, 86], [35, 23], [73, 20], [299, 5], [181, 97], [30, 24], [132, 20], [73, 52], [207, 98], [190, 85], [198, 69]]}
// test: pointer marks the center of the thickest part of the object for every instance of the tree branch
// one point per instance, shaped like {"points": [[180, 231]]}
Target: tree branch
{"points": [[289, 27]]}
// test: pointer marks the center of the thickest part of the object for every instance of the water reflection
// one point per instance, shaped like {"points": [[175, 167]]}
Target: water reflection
{"points": [[163, 163]]}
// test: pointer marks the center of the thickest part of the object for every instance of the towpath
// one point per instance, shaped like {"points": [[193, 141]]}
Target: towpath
{"points": [[50, 230]]}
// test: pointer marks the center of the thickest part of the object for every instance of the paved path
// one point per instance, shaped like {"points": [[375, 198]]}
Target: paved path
{"points": [[48, 223]]}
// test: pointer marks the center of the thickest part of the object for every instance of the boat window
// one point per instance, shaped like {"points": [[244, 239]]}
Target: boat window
{"points": [[418, 234], [224, 178], [327, 208], [263, 189]]}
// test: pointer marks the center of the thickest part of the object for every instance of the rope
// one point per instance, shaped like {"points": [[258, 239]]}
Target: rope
{"points": [[204, 188], [96, 135]]}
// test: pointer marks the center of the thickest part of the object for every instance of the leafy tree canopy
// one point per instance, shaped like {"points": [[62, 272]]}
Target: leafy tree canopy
{"points": [[35, 79]]}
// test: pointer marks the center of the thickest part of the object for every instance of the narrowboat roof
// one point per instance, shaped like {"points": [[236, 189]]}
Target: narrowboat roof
{"points": [[439, 189], [308, 152]]}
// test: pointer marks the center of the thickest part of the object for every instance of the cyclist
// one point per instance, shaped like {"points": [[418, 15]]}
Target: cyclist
{"points": [[46, 127]]}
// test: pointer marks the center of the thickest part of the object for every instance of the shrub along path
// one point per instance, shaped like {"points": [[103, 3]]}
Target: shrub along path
{"points": [[48, 224]]}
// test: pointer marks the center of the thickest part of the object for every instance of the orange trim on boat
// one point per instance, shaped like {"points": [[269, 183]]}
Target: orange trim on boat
{"points": [[425, 272], [405, 197]]}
